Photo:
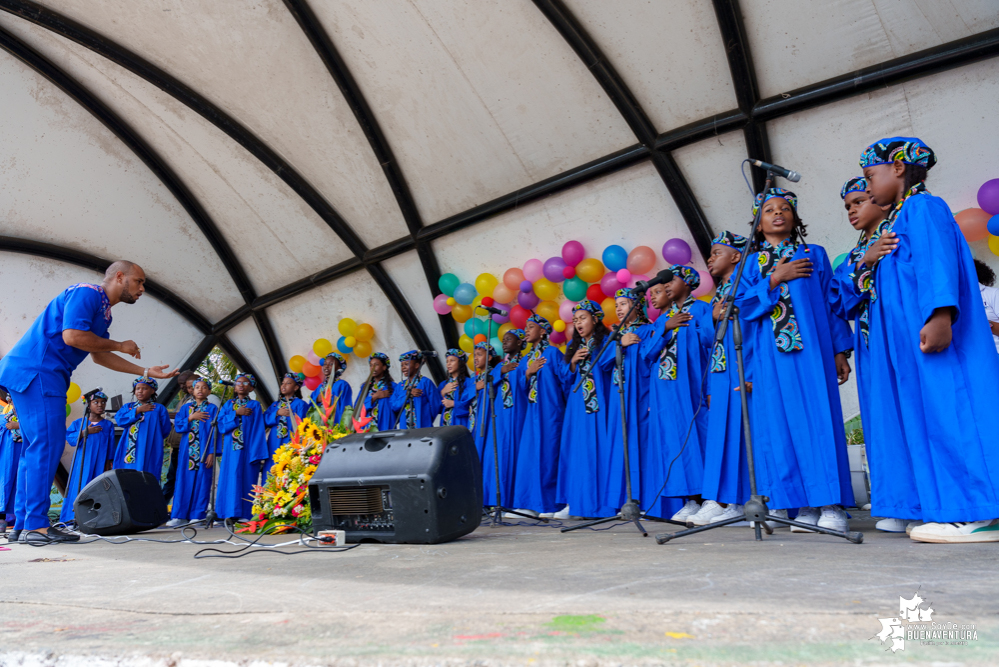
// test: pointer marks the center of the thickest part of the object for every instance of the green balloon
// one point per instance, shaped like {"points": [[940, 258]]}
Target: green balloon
{"points": [[447, 283], [839, 260], [574, 289], [493, 329], [67, 409]]}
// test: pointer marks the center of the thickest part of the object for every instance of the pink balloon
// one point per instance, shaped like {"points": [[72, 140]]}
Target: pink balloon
{"points": [[313, 381], [635, 278], [314, 359], [565, 310], [623, 276], [513, 277], [503, 294], [534, 269], [440, 304], [557, 337], [707, 285], [610, 284], [569, 272], [573, 253], [528, 300], [641, 260]]}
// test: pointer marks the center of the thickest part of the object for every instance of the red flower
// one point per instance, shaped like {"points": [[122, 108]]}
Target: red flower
{"points": [[315, 459], [297, 510]]}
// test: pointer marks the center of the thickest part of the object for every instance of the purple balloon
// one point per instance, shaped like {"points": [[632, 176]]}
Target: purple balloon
{"points": [[501, 319], [609, 284], [988, 197], [676, 251], [528, 300], [526, 286], [553, 269]]}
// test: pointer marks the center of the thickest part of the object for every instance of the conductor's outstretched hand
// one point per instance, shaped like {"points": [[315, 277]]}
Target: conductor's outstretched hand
{"points": [[161, 372]]}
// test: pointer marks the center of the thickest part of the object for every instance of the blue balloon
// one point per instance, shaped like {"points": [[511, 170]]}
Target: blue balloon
{"points": [[994, 225], [473, 327], [615, 258], [342, 346], [839, 260], [465, 294], [497, 345], [493, 329]]}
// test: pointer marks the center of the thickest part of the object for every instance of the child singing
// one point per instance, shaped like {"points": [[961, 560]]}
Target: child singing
{"points": [[244, 451], [478, 405], [800, 349], [283, 415], [339, 390], [96, 457], [196, 456], [510, 400], [378, 401], [415, 399], [146, 425], [452, 390]]}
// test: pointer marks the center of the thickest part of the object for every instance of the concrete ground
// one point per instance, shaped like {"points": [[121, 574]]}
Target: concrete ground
{"points": [[520, 594]]}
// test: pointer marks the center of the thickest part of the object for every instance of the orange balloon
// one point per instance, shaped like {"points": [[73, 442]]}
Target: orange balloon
{"points": [[973, 223], [503, 294], [590, 270], [311, 370], [480, 338], [461, 313], [610, 311], [512, 279], [641, 260]]}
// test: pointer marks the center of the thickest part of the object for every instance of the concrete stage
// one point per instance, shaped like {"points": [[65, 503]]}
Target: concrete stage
{"points": [[505, 595]]}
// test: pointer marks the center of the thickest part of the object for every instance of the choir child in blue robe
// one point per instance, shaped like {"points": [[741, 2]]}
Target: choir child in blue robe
{"points": [[333, 367], [146, 426], [800, 350], [678, 351], [454, 398], [10, 454], [536, 474], [197, 452], [284, 414], [479, 412], [871, 221], [378, 402], [415, 399], [584, 431], [510, 400], [726, 474], [645, 479], [933, 363], [97, 456], [244, 451]]}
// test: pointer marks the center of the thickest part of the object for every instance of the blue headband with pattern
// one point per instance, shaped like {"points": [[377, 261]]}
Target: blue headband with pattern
{"points": [[541, 322], [774, 193], [381, 356], [732, 240], [855, 184], [687, 275], [908, 150], [151, 383], [457, 354], [592, 307]]}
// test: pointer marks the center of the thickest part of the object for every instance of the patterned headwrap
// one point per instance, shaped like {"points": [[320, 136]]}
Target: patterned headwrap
{"points": [[519, 333], [734, 241], [541, 322], [457, 354], [412, 355], [205, 380], [381, 356], [855, 184], [631, 295], [248, 376], [908, 150], [297, 378], [687, 275], [592, 307], [151, 383], [98, 395], [764, 197], [484, 345]]}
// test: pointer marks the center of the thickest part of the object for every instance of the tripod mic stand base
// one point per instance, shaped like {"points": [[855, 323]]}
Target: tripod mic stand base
{"points": [[629, 512], [497, 516]]}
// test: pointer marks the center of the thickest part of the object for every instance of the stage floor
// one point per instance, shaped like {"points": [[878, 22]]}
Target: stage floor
{"points": [[502, 595]]}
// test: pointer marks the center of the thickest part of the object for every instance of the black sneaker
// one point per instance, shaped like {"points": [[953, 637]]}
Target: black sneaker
{"points": [[53, 536], [12, 536]]}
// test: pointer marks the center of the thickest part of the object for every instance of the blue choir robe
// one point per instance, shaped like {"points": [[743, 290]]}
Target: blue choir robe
{"points": [[380, 410], [11, 443], [644, 478], [536, 473], [141, 445], [194, 479], [98, 452], [584, 438], [799, 445], [341, 393], [424, 408], [283, 428], [726, 471], [846, 301], [510, 402], [673, 403], [244, 451], [931, 414], [457, 415], [479, 417]]}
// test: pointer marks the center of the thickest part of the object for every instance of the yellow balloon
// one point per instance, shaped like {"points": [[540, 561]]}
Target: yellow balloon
{"points": [[485, 284], [362, 349], [461, 313], [73, 393], [590, 270], [503, 329], [451, 301], [706, 298], [346, 326], [350, 341], [547, 310], [994, 244], [466, 343], [559, 325], [363, 332], [546, 289], [322, 347], [296, 363], [476, 302]]}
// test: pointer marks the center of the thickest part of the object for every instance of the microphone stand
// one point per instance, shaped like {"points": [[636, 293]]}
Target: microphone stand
{"points": [[630, 511], [210, 515], [81, 451], [756, 508]]}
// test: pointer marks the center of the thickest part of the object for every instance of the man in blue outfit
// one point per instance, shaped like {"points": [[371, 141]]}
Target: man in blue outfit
{"points": [[37, 372]]}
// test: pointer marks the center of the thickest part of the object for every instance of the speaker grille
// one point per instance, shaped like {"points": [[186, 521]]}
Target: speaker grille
{"points": [[356, 500]]}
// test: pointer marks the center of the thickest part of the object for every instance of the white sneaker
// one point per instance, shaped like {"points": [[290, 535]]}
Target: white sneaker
{"points": [[912, 524], [808, 515], [951, 533], [892, 525], [834, 518], [562, 513], [174, 523], [690, 508], [547, 515], [709, 512], [511, 515], [733, 512], [773, 524]]}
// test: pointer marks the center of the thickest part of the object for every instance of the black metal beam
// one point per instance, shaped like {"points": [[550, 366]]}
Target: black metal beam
{"points": [[200, 353], [627, 105], [243, 364], [700, 130], [747, 92]]}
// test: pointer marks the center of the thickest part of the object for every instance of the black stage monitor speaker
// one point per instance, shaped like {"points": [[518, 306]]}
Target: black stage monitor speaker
{"points": [[120, 502], [422, 486]]}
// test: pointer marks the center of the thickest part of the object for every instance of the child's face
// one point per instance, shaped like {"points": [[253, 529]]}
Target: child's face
{"points": [[864, 213], [621, 307], [288, 387], [778, 217], [884, 181], [584, 323], [404, 366], [97, 406], [722, 260], [189, 387], [328, 367], [453, 364], [511, 343], [201, 391], [677, 291], [480, 358], [142, 392], [659, 297], [377, 367], [532, 332], [243, 386]]}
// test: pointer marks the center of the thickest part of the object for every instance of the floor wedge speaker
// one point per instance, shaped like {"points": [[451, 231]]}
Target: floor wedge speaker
{"points": [[119, 502], [422, 486]]}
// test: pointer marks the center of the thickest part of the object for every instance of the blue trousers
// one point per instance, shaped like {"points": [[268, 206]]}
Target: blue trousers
{"points": [[41, 412]]}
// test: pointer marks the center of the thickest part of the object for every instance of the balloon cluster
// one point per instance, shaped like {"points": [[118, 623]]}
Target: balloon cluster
{"points": [[979, 223], [539, 285], [355, 338]]}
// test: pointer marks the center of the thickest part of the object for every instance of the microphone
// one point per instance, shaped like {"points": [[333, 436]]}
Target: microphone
{"points": [[494, 311], [428, 354], [90, 394], [792, 176], [226, 383], [662, 277]]}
